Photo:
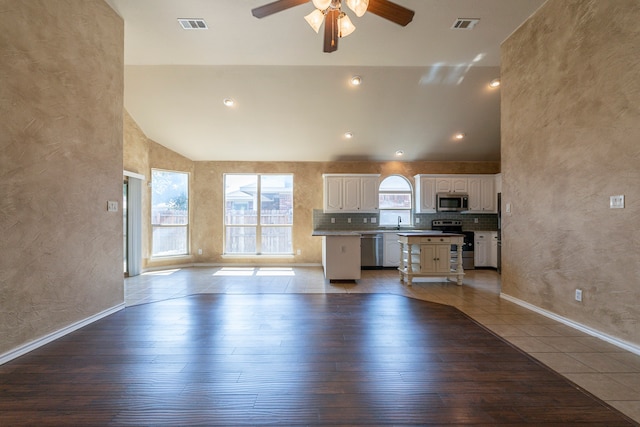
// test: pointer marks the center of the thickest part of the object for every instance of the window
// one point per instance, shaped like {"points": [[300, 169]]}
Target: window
{"points": [[395, 201], [258, 214], [169, 213]]}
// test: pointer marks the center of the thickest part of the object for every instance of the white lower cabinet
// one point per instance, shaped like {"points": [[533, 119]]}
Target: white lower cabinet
{"points": [[435, 258], [391, 250], [341, 257], [493, 250], [486, 249]]}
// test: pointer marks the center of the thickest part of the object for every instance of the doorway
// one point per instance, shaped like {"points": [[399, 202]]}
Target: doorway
{"points": [[125, 226], [132, 223]]}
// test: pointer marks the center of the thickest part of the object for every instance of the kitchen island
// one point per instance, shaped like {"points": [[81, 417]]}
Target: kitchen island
{"points": [[429, 255], [340, 254], [341, 250]]}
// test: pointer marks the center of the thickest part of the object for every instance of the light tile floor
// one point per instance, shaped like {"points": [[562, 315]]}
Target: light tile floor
{"points": [[608, 372]]}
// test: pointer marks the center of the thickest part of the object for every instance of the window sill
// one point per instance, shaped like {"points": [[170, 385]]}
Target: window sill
{"points": [[256, 256], [170, 257]]}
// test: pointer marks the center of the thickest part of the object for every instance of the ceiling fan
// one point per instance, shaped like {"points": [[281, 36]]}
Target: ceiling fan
{"points": [[336, 23]]}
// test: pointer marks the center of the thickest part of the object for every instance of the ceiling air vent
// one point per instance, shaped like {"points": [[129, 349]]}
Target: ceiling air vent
{"points": [[193, 24], [465, 23]]}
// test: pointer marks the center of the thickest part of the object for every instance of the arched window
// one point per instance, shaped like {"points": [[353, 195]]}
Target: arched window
{"points": [[395, 201]]}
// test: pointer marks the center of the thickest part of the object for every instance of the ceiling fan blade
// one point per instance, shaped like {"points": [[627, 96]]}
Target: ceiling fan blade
{"points": [[275, 7], [391, 11], [331, 31]]}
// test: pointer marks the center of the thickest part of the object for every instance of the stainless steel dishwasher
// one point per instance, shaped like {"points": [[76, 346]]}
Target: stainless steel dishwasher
{"points": [[371, 250]]}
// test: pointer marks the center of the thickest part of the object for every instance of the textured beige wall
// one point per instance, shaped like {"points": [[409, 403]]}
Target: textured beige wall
{"points": [[136, 148], [207, 230], [571, 132], [61, 131], [207, 197], [136, 159]]}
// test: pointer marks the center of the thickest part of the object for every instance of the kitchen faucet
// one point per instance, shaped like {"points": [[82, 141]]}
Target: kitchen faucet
{"points": [[399, 221]]}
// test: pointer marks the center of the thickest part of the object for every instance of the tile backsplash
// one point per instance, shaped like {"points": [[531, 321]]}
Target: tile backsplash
{"points": [[359, 221]]}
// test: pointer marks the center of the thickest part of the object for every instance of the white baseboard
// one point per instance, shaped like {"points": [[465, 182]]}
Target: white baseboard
{"points": [[30, 346], [229, 264], [633, 348]]}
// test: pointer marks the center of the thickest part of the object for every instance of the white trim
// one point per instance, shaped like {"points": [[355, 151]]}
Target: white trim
{"points": [[133, 175], [227, 264], [30, 346], [633, 348]]}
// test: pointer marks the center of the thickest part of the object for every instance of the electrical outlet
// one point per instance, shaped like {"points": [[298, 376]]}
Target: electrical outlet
{"points": [[373, 220], [579, 295], [365, 220], [349, 220], [417, 220], [112, 206], [616, 202], [333, 220], [298, 252], [475, 220]]}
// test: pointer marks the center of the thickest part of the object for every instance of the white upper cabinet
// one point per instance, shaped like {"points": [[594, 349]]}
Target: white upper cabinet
{"points": [[369, 200], [482, 194], [333, 193], [451, 184], [425, 194], [350, 193]]}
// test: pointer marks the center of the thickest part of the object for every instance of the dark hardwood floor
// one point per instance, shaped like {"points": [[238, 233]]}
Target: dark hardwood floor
{"points": [[289, 359]]}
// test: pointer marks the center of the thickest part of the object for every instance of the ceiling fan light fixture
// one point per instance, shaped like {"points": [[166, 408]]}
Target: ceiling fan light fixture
{"points": [[494, 83], [359, 7], [229, 102], [322, 4], [315, 19], [345, 26]]}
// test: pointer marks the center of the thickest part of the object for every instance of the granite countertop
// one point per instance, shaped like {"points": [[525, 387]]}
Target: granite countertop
{"points": [[427, 234], [370, 231]]}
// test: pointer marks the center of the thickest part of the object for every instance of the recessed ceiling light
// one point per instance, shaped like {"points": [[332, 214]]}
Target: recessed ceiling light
{"points": [[356, 80], [459, 135], [228, 102], [348, 135], [399, 153], [494, 83]]}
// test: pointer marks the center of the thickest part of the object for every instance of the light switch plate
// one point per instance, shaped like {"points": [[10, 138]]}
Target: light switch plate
{"points": [[112, 206], [616, 202]]}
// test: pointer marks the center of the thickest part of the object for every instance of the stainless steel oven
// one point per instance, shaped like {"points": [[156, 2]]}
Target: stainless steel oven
{"points": [[455, 226]]}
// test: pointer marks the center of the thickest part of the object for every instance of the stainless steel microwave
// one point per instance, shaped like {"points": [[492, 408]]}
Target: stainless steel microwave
{"points": [[452, 202]]}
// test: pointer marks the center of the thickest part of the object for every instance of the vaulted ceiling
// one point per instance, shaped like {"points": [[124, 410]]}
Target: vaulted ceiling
{"points": [[421, 84]]}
